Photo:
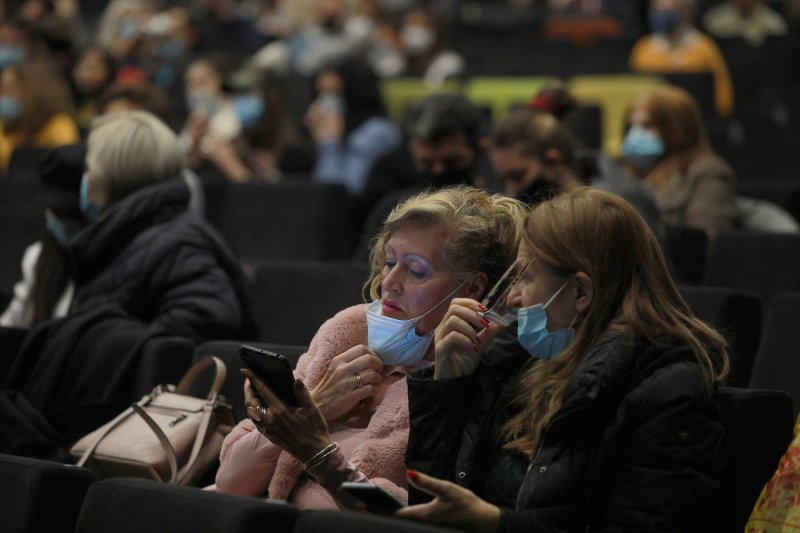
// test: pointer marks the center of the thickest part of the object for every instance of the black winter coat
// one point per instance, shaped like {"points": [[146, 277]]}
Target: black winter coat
{"points": [[162, 264], [636, 446]]}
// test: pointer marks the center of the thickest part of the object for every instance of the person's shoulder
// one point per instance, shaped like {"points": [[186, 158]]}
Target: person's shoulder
{"points": [[59, 129], [625, 358], [716, 14], [669, 369], [645, 41], [354, 313], [711, 165], [378, 132], [345, 326]]}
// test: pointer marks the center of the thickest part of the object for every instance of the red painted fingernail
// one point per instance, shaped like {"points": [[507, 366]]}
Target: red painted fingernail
{"points": [[412, 475], [485, 322], [482, 307]]}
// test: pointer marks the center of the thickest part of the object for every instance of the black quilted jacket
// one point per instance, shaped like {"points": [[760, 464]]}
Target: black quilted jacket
{"points": [[636, 446], [162, 263]]}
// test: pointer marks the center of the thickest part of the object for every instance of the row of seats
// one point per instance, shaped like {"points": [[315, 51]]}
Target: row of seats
{"points": [[41, 496], [313, 221], [611, 93], [44, 497], [762, 345]]}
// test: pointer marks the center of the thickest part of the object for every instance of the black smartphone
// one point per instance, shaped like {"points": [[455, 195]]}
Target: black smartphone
{"points": [[274, 369], [375, 499]]}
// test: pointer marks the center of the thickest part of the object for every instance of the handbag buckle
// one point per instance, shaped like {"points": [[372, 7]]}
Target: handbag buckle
{"points": [[180, 417]]}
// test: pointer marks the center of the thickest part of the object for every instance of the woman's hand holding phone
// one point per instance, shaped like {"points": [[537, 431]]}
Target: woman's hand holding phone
{"points": [[353, 376], [301, 431], [452, 505]]}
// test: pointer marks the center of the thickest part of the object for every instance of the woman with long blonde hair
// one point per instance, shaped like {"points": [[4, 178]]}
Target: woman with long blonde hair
{"points": [[605, 417]]}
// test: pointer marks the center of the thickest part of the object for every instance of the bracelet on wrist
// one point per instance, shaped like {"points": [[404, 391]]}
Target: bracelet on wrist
{"points": [[321, 455]]}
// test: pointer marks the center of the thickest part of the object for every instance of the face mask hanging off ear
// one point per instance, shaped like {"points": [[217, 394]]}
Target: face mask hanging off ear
{"points": [[533, 335], [396, 341], [90, 209]]}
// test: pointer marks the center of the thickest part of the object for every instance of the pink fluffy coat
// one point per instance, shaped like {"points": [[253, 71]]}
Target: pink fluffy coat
{"points": [[381, 455]]}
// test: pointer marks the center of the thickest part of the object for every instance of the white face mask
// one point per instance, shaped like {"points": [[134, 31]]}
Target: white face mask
{"points": [[359, 28], [396, 341], [417, 39]]}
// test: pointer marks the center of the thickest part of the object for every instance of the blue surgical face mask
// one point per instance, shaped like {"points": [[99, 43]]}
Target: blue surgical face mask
{"points": [[202, 102], [11, 54], [56, 228], [396, 341], [532, 331], [664, 20], [333, 102], [90, 209], [10, 108], [642, 148], [249, 108]]}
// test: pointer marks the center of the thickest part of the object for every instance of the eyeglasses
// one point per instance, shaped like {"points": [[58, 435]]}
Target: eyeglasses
{"points": [[496, 301]]}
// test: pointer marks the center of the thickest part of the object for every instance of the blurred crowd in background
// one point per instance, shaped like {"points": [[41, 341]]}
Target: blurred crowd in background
{"points": [[237, 78]]}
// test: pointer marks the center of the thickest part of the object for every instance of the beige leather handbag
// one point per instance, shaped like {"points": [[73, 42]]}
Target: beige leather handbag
{"points": [[168, 435]]}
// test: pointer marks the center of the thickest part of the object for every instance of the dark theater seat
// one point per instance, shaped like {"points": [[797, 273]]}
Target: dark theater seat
{"points": [[40, 496], [135, 505]]}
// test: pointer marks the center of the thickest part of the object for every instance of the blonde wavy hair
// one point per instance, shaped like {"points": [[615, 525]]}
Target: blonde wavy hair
{"points": [[600, 234], [484, 231]]}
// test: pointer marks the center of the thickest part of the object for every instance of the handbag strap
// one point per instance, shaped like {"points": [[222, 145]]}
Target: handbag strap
{"points": [[197, 368], [87, 453], [199, 440], [168, 449]]}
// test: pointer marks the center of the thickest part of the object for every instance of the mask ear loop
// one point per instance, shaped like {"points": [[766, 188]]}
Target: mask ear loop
{"points": [[404, 332], [442, 300], [514, 280], [553, 297], [574, 318]]}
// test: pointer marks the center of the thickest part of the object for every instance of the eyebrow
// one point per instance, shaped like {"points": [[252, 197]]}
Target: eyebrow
{"points": [[416, 257], [408, 255]]}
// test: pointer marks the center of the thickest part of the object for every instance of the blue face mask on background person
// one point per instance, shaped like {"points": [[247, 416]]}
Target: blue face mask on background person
{"points": [[249, 108], [10, 108], [664, 20], [56, 228], [90, 209], [532, 331], [11, 54], [642, 148], [396, 341]]}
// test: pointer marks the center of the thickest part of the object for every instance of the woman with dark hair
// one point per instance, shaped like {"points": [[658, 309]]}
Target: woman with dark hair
{"points": [[348, 122], [423, 48], [93, 71], [46, 288]]}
